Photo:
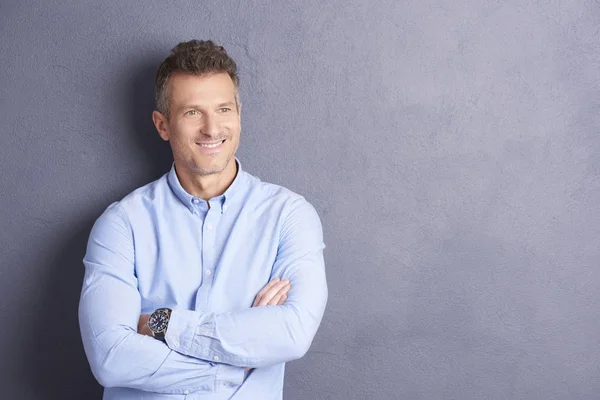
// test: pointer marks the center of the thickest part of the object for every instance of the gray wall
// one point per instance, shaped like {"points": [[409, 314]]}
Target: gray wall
{"points": [[450, 147]]}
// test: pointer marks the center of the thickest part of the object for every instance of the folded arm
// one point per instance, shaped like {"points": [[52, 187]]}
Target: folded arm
{"points": [[262, 336], [109, 311]]}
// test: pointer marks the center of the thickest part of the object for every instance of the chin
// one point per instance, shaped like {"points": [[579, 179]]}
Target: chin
{"points": [[209, 169]]}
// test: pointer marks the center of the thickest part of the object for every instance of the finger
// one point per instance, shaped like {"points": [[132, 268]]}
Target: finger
{"points": [[256, 300], [274, 300], [282, 300], [274, 291], [284, 290], [262, 292], [268, 296], [272, 296], [268, 286], [268, 292], [277, 298]]}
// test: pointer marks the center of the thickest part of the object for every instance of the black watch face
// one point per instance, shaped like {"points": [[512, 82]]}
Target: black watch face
{"points": [[158, 321]]}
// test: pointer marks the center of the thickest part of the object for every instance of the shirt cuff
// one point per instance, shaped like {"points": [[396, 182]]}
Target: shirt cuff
{"points": [[180, 331], [194, 334]]}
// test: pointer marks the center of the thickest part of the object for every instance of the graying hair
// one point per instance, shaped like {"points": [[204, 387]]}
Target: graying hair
{"points": [[196, 57]]}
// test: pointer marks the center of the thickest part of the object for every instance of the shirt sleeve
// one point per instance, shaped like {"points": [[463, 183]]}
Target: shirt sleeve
{"points": [[109, 312], [267, 335]]}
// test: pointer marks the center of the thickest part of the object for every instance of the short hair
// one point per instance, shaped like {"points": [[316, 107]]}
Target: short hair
{"points": [[196, 57]]}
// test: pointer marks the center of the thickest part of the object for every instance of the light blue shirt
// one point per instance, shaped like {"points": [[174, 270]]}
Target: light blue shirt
{"points": [[162, 247]]}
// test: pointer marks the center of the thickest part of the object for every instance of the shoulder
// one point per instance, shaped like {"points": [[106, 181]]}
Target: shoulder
{"points": [[298, 224], [280, 199], [137, 200], [270, 192], [151, 193]]}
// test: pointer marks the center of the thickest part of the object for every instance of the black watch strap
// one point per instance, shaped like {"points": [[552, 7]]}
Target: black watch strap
{"points": [[160, 336]]}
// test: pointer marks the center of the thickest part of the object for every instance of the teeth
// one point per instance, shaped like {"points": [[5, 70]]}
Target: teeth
{"points": [[210, 146]]}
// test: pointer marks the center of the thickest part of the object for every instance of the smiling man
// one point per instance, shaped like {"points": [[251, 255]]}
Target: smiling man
{"points": [[205, 282]]}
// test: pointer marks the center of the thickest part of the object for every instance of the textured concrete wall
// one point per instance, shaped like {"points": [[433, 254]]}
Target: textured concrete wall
{"points": [[450, 147]]}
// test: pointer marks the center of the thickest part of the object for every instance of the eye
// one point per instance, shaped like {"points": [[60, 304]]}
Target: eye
{"points": [[192, 113], [224, 109]]}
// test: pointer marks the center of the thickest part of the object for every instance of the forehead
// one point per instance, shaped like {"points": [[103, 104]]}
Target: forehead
{"points": [[201, 89]]}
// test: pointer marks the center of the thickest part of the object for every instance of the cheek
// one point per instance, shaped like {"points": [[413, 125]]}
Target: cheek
{"points": [[183, 133], [235, 128], [232, 124], [235, 139]]}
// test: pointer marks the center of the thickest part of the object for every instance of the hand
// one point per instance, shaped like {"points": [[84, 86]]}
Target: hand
{"points": [[273, 294], [143, 325]]}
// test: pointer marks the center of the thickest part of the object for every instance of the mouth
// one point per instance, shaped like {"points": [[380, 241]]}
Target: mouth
{"points": [[211, 145]]}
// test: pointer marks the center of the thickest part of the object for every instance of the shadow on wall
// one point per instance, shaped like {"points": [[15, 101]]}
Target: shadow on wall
{"points": [[138, 104], [60, 368]]}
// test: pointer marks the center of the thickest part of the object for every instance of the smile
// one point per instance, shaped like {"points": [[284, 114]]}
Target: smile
{"points": [[211, 145]]}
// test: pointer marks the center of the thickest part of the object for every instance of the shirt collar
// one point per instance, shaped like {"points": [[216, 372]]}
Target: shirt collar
{"points": [[190, 201]]}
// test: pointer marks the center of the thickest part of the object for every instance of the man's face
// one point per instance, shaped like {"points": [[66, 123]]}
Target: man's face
{"points": [[204, 124]]}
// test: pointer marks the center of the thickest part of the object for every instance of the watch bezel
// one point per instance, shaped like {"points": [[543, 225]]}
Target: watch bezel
{"points": [[165, 312]]}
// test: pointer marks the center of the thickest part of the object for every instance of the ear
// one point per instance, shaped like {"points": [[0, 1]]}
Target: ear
{"points": [[161, 124]]}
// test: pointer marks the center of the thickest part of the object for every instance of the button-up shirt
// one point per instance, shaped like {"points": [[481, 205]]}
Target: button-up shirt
{"points": [[206, 260]]}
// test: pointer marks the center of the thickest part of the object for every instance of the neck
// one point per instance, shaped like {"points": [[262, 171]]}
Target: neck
{"points": [[206, 186]]}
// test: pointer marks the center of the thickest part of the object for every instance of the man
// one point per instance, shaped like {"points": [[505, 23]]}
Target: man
{"points": [[203, 283]]}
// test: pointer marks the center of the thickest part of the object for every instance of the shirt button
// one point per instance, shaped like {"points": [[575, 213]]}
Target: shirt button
{"points": [[209, 227], [196, 201], [225, 207], [175, 344], [186, 392], [208, 272], [216, 358]]}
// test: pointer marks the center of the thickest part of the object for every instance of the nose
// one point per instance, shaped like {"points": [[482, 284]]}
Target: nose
{"points": [[210, 126]]}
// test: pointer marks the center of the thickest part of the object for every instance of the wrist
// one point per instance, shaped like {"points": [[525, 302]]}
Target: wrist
{"points": [[159, 322]]}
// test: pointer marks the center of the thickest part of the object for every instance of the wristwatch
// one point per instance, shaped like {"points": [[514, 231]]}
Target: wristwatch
{"points": [[159, 322]]}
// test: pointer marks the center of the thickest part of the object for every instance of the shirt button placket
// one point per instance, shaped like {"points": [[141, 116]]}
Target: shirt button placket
{"points": [[208, 259]]}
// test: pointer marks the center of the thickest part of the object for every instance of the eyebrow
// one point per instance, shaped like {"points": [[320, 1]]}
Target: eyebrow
{"points": [[197, 106]]}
